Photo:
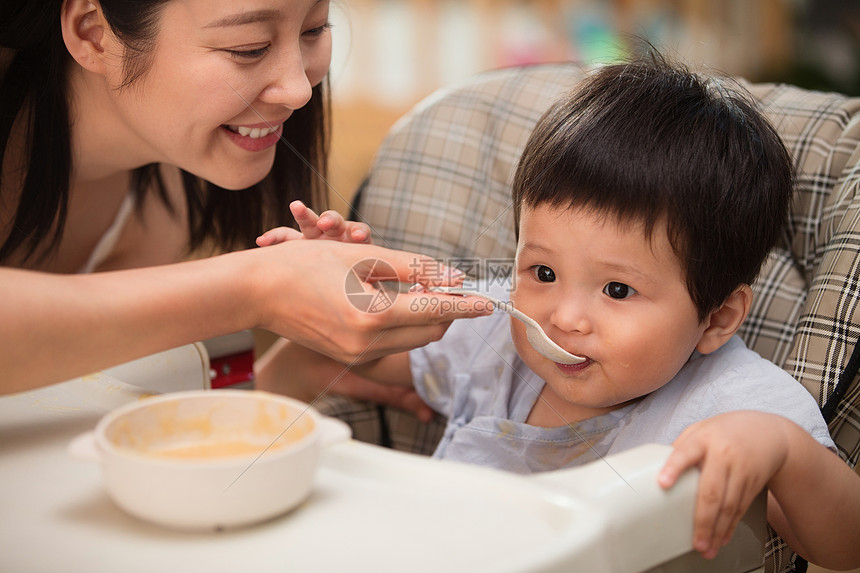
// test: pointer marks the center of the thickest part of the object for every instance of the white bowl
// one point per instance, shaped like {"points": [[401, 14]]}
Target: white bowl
{"points": [[207, 460]]}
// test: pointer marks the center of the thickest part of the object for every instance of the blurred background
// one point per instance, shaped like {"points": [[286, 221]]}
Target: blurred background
{"points": [[390, 54]]}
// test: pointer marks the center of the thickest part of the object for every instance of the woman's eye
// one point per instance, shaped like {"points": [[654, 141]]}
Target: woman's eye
{"points": [[618, 291], [544, 274], [254, 54], [318, 31]]}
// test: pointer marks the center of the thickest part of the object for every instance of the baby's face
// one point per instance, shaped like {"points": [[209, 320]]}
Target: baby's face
{"points": [[603, 291]]}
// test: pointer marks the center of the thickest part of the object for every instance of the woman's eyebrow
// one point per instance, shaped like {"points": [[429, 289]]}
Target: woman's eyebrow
{"points": [[243, 18]]}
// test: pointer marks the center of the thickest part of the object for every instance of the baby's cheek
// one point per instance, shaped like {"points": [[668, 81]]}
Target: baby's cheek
{"points": [[621, 358], [521, 342], [632, 345]]}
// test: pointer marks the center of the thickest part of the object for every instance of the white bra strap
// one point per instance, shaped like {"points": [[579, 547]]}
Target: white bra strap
{"points": [[108, 241]]}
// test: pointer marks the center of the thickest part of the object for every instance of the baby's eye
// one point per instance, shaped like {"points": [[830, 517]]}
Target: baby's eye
{"points": [[544, 274], [618, 291]]}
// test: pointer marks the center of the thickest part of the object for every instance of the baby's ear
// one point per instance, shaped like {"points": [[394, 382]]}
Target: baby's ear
{"points": [[724, 322]]}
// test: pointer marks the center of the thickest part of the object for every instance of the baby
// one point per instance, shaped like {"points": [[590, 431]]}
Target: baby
{"points": [[646, 202]]}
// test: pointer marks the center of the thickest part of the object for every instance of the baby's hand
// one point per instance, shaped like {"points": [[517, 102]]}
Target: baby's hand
{"points": [[738, 453], [330, 225]]}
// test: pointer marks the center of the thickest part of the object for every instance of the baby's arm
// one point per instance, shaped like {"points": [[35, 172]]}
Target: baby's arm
{"points": [[391, 370], [329, 225], [814, 503], [813, 500], [302, 373]]}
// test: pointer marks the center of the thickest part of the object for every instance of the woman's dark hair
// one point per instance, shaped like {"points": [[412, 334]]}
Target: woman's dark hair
{"points": [[648, 141], [33, 89]]}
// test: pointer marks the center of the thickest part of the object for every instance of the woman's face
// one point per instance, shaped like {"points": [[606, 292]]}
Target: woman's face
{"points": [[223, 78]]}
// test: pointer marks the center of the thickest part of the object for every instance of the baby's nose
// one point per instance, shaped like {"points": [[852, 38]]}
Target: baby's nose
{"points": [[571, 315]]}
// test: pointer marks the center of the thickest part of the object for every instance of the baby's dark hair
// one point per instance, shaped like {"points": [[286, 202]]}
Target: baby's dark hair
{"points": [[648, 141]]}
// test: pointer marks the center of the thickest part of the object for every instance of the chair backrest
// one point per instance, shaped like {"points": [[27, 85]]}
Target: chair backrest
{"points": [[806, 315], [441, 185]]}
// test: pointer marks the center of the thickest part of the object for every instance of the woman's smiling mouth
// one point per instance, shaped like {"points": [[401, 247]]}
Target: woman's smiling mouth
{"points": [[254, 138], [254, 132]]}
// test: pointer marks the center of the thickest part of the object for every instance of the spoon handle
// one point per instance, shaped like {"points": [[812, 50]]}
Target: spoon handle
{"points": [[499, 304], [535, 334]]}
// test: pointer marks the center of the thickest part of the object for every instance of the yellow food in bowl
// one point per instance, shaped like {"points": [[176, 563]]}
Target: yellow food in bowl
{"points": [[213, 450], [210, 426]]}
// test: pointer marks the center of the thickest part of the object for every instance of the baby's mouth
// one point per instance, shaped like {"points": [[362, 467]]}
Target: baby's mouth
{"points": [[252, 132], [569, 368]]}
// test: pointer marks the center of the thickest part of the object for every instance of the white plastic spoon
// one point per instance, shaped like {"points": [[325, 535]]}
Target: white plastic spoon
{"points": [[537, 337]]}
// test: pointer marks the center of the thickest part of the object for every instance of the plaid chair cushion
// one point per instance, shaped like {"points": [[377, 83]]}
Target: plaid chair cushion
{"points": [[441, 182], [806, 315], [805, 311]]}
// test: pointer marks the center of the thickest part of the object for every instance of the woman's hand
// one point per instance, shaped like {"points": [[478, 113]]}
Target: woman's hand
{"points": [[329, 225], [738, 453], [329, 296], [287, 368]]}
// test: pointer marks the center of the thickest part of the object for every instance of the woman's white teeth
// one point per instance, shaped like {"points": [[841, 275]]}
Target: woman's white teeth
{"points": [[254, 132]]}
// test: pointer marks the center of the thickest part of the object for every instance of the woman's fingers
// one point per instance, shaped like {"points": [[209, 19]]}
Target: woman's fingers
{"points": [[345, 311], [412, 268]]}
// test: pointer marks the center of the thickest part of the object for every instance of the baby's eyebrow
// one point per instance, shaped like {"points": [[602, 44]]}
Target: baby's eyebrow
{"points": [[630, 270], [530, 246]]}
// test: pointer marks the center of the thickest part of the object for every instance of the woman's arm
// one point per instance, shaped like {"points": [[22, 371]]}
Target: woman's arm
{"points": [[56, 327]]}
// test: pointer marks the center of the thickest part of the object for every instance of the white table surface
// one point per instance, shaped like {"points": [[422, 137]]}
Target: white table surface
{"points": [[371, 509]]}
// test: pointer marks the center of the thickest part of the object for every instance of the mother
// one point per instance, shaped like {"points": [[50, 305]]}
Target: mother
{"points": [[133, 133]]}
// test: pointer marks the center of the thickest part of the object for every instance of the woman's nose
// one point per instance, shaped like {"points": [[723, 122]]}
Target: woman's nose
{"points": [[290, 85]]}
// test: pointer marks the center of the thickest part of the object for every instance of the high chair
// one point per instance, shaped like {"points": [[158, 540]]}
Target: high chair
{"points": [[441, 185]]}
